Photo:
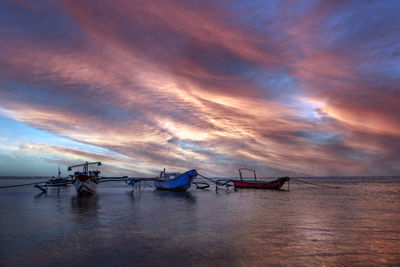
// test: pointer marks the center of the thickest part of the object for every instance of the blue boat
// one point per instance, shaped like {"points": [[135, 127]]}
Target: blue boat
{"points": [[175, 181]]}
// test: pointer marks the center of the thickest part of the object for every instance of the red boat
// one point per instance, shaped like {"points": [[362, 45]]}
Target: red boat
{"points": [[275, 184]]}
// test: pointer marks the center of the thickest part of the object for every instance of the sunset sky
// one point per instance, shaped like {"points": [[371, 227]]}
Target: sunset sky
{"points": [[297, 88]]}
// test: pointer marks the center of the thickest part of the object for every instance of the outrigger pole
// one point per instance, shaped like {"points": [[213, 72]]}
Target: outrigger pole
{"points": [[85, 166]]}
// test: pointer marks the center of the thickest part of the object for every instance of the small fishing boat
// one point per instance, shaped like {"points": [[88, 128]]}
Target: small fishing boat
{"points": [[86, 181], [58, 181], [275, 184], [254, 184], [175, 181]]}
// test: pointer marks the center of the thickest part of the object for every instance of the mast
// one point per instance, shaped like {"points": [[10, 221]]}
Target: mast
{"points": [[59, 171]]}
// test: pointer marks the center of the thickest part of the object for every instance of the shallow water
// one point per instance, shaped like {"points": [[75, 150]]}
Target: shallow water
{"points": [[357, 224]]}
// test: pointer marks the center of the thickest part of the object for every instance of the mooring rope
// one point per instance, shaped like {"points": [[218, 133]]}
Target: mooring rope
{"points": [[16, 185], [330, 186]]}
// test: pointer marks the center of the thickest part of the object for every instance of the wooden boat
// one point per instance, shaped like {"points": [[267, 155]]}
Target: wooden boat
{"points": [[254, 184], [86, 181], [175, 181]]}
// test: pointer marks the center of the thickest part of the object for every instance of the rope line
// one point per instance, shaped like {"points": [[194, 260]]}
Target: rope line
{"points": [[305, 182]]}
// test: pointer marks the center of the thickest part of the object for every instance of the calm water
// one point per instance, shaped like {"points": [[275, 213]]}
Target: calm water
{"points": [[358, 224]]}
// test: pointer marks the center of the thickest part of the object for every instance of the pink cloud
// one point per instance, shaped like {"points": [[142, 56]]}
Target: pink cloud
{"points": [[183, 85]]}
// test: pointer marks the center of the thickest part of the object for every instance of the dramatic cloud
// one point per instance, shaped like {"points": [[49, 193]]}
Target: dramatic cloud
{"points": [[310, 88]]}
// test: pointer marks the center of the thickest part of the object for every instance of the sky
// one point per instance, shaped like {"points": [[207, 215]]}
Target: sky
{"points": [[297, 88]]}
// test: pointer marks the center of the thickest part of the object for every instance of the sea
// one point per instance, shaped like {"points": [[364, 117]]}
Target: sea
{"points": [[357, 224]]}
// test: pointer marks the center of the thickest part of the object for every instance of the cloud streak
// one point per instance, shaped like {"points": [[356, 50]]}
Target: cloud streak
{"points": [[214, 86]]}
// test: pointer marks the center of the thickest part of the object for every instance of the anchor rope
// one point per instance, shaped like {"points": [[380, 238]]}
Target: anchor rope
{"points": [[305, 182]]}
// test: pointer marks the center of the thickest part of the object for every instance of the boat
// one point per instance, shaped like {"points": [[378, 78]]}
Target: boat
{"points": [[43, 186], [175, 181], [86, 181], [275, 184], [58, 181], [257, 184]]}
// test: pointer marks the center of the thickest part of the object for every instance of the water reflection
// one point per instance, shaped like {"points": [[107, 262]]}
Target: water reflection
{"points": [[56, 191], [307, 226], [40, 195], [85, 205], [182, 196], [134, 195]]}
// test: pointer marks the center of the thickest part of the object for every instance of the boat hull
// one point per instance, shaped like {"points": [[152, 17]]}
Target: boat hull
{"points": [[180, 183], [274, 185], [85, 186]]}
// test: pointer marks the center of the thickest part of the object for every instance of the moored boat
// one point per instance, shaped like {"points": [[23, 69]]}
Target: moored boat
{"points": [[275, 184], [175, 181], [257, 184], [85, 182], [58, 181]]}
